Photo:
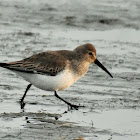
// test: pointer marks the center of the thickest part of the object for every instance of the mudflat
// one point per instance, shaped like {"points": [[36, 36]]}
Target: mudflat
{"points": [[112, 106]]}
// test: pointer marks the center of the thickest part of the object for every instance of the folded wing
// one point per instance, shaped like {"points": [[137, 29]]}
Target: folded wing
{"points": [[46, 63]]}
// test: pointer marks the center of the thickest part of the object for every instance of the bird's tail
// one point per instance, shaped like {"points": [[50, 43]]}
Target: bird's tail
{"points": [[4, 65]]}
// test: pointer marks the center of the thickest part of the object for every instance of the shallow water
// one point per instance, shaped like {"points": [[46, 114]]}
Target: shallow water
{"points": [[112, 106]]}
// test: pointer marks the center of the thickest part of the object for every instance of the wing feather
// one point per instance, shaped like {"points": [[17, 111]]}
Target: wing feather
{"points": [[46, 63]]}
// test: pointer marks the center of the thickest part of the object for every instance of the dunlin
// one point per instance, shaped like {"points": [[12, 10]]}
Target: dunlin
{"points": [[55, 70]]}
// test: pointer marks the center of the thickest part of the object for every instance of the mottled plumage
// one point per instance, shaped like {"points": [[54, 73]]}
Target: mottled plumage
{"points": [[56, 70]]}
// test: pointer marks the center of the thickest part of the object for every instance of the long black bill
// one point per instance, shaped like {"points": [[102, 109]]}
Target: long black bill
{"points": [[97, 62]]}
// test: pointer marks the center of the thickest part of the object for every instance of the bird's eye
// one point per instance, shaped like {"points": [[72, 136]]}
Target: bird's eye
{"points": [[90, 53]]}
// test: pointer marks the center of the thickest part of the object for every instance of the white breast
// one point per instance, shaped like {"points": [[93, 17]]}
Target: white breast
{"points": [[50, 83]]}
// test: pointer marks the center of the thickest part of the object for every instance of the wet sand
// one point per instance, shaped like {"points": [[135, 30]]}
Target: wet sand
{"points": [[112, 106]]}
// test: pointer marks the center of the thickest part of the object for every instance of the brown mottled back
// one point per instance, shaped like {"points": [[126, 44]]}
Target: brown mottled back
{"points": [[53, 62], [49, 63]]}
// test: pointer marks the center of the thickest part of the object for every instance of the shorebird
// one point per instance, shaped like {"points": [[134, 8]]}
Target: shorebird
{"points": [[55, 70]]}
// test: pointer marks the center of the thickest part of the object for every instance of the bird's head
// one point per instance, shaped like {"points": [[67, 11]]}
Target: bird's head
{"points": [[88, 52]]}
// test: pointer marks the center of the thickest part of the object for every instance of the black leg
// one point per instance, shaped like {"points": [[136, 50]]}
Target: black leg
{"points": [[72, 106], [22, 104]]}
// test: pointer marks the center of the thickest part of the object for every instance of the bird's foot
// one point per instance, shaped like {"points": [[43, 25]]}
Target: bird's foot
{"points": [[72, 107], [22, 104]]}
